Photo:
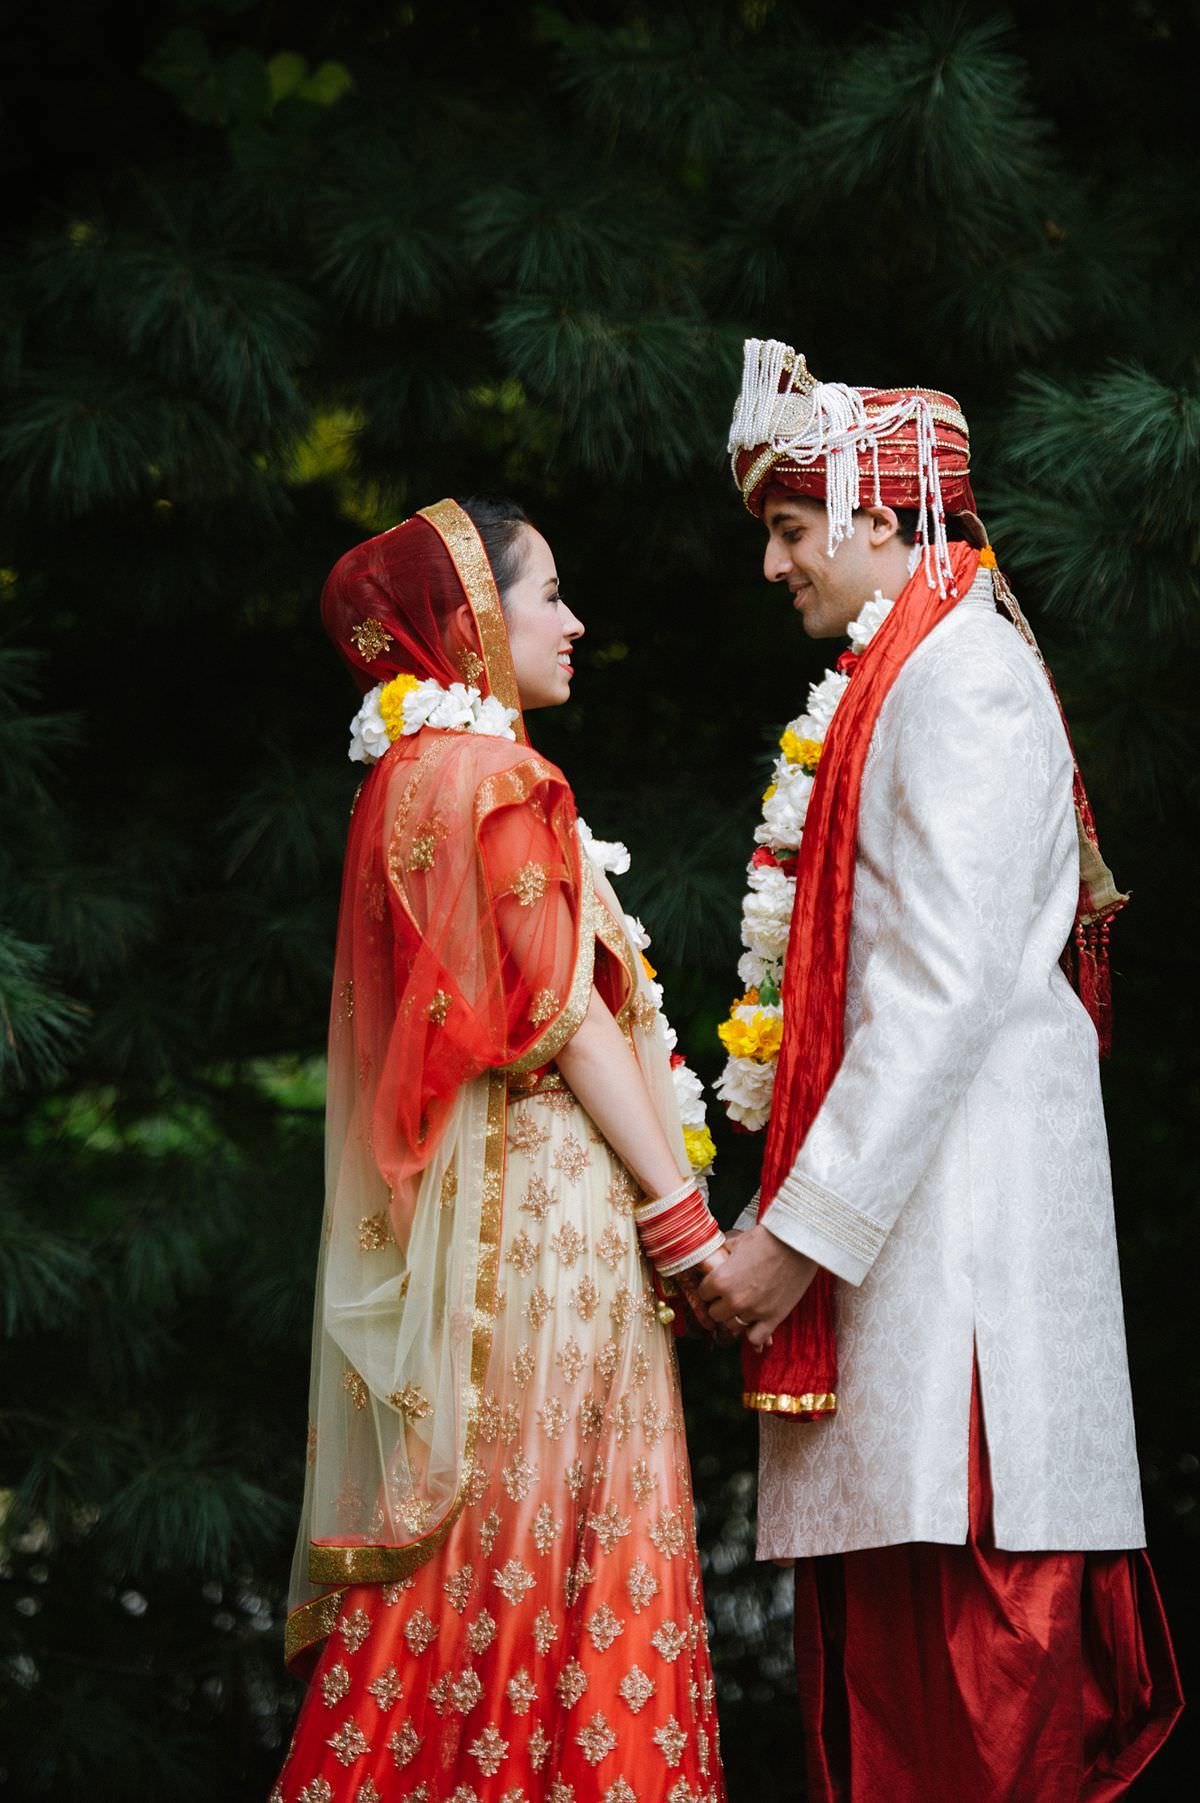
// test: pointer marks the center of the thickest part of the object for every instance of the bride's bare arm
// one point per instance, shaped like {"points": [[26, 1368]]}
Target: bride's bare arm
{"points": [[601, 1071]]}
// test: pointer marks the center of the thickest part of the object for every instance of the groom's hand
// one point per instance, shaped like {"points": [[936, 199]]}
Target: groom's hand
{"points": [[757, 1284]]}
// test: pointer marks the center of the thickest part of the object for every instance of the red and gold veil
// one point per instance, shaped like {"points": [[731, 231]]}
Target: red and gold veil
{"points": [[465, 949]]}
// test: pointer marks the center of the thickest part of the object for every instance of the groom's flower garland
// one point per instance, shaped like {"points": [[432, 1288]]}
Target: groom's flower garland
{"points": [[754, 1029], [402, 707]]}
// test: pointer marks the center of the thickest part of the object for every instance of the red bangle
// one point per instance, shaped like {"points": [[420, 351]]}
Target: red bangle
{"points": [[679, 1233]]}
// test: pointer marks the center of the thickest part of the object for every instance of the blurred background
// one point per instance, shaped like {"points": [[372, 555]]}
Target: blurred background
{"points": [[274, 275]]}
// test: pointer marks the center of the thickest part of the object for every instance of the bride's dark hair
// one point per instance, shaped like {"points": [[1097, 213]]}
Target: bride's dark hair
{"points": [[498, 524]]}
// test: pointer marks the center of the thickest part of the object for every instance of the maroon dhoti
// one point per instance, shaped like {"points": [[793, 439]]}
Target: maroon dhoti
{"points": [[962, 1674]]}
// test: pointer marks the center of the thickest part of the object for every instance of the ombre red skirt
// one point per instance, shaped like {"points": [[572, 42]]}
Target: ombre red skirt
{"points": [[963, 1674]]}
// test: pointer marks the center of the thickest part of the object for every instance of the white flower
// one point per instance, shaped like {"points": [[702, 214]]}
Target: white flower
{"points": [[746, 1088], [823, 698], [670, 1037], [769, 897], [637, 932], [609, 854], [764, 930], [767, 912], [752, 970], [493, 718], [785, 812], [805, 727], [863, 630], [368, 734], [768, 879], [418, 705], [430, 704], [689, 1093]]}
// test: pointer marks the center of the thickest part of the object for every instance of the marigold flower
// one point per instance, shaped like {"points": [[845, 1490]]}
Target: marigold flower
{"points": [[804, 752], [757, 1038], [700, 1148], [391, 702]]}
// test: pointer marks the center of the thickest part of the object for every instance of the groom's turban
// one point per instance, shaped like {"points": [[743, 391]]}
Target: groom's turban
{"points": [[848, 447]]}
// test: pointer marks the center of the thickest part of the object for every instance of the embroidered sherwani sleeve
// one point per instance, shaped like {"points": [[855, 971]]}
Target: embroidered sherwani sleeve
{"points": [[978, 782]]}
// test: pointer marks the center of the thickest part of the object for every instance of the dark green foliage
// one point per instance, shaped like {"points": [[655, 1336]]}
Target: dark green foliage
{"points": [[1124, 433], [274, 277], [893, 121]]}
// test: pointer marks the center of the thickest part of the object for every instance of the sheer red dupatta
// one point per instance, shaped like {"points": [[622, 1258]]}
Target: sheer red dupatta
{"points": [[464, 954]]}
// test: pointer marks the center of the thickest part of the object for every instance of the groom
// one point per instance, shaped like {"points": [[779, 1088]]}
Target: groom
{"points": [[957, 1479]]}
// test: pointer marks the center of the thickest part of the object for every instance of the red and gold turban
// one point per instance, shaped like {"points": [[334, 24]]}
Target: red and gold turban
{"points": [[907, 447]]}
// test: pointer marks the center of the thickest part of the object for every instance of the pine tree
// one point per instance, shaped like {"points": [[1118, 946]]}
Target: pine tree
{"points": [[271, 281]]}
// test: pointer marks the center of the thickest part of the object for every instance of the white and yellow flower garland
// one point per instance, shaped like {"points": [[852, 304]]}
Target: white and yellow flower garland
{"points": [[406, 704], [754, 1029]]}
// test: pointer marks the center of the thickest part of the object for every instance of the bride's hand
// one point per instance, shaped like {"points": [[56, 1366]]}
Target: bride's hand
{"points": [[688, 1283]]}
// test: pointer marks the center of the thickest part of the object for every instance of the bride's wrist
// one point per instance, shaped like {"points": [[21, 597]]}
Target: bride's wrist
{"points": [[678, 1230]]}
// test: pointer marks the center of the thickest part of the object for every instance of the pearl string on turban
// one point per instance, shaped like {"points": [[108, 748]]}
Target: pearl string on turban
{"points": [[822, 438]]}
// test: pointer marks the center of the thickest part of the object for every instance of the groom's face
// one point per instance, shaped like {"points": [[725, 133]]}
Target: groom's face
{"points": [[827, 592]]}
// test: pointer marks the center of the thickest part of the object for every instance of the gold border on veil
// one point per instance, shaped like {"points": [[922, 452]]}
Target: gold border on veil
{"points": [[457, 532]]}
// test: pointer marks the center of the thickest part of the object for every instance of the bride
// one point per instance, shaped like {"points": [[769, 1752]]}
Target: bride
{"points": [[496, 1590]]}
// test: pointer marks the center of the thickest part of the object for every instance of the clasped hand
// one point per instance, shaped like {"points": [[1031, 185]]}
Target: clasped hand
{"points": [[687, 1287], [753, 1284]]}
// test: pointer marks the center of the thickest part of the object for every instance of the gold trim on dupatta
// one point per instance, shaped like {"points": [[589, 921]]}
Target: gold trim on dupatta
{"points": [[310, 1624], [457, 532], [342, 1565], [550, 1043], [510, 788], [616, 940]]}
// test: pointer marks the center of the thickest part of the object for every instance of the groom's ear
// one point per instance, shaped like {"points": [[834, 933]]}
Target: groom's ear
{"points": [[883, 524]]}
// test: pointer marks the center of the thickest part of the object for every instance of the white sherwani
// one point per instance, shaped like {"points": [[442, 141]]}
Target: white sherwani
{"points": [[956, 1177]]}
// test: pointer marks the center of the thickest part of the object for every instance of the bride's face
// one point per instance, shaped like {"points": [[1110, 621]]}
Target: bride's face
{"points": [[541, 627]]}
